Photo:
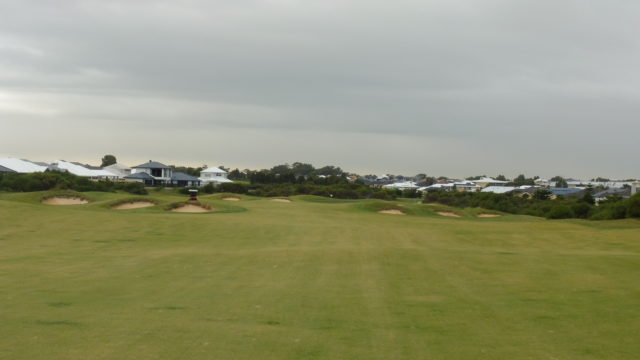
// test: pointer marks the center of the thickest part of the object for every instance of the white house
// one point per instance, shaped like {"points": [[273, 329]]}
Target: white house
{"points": [[214, 175], [21, 166], [635, 186]]}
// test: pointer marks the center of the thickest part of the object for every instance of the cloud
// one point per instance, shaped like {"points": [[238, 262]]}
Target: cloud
{"points": [[506, 80]]}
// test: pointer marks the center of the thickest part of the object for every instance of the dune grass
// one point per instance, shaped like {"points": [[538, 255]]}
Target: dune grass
{"points": [[312, 279]]}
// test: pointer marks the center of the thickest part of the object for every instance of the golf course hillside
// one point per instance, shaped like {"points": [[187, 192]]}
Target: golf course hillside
{"points": [[98, 275]]}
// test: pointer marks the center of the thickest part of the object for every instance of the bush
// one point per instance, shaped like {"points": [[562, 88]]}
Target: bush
{"points": [[560, 212], [236, 188], [208, 189], [633, 206]]}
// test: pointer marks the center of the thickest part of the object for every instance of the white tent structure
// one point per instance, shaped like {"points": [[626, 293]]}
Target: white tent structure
{"points": [[214, 175], [118, 169], [79, 170], [21, 166]]}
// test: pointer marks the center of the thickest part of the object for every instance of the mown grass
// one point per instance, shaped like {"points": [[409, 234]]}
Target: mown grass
{"points": [[311, 279]]}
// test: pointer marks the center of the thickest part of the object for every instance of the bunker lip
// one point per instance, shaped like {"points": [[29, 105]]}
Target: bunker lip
{"points": [[133, 205], [392, 212], [231, 198], [447, 213], [65, 200], [485, 215], [191, 208], [281, 200]]}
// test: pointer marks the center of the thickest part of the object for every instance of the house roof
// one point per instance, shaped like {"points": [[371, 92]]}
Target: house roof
{"points": [[21, 166], [180, 176], [117, 166], [140, 175], [499, 189], [565, 191], [4, 169], [152, 165], [490, 180], [609, 192], [213, 170], [80, 170]]}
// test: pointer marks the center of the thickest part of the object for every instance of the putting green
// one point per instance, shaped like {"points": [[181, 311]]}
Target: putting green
{"points": [[313, 279]]}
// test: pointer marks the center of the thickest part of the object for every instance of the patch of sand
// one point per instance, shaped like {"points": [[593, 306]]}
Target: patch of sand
{"points": [[190, 208], [488, 215], [447, 213], [64, 201], [281, 200], [392, 212], [134, 205], [231, 199]]}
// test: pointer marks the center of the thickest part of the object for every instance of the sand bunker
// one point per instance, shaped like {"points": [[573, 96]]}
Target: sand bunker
{"points": [[281, 200], [447, 213], [64, 201], [231, 198], [191, 208], [392, 212], [488, 215], [134, 205]]}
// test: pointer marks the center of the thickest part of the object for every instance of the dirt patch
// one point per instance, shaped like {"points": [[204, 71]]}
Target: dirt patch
{"points": [[447, 213], [64, 201], [488, 215], [134, 205], [231, 198], [392, 212], [191, 208], [281, 200]]}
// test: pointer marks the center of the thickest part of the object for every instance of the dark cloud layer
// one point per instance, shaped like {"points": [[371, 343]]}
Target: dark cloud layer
{"points": [[455, 87]]}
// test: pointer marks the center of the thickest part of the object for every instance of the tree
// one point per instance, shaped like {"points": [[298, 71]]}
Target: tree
{"points": [[502, 177], [108, 160], [302, 169], [560, 181]]}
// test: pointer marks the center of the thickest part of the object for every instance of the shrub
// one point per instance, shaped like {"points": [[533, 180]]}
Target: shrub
{"points": [[560, 212]]}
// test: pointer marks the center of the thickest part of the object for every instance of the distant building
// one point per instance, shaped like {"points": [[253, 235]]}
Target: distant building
{"points": [[604, 195], [5, 170], [160, 173], [408, 185], [22, 166], [82, 170], [499, 189], [635, 186], [214, 176], [566, 192], [181, 180], [487, 181], [118, 169]]}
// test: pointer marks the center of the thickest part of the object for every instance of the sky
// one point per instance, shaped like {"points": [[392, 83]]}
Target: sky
{"points": [[457, 87]]}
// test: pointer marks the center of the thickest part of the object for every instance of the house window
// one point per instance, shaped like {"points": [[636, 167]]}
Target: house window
{"points": [[156, 172]]}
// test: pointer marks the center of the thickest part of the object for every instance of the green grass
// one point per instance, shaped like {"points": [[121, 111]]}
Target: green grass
{"points": [[311, 279]]}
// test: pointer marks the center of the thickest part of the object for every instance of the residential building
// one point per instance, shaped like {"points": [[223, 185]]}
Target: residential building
{"points": [[181, 179], [566, 192], [160, 173], [487, 181], [214, 175]]}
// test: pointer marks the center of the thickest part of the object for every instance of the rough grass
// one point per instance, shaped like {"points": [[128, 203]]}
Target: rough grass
{"points": [[311, 280]]}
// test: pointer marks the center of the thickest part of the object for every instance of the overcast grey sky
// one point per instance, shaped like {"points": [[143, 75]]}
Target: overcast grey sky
{"points": [[456, 87]]}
